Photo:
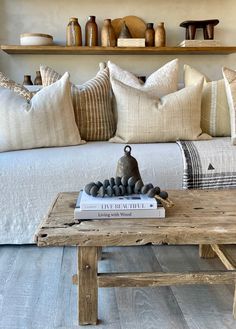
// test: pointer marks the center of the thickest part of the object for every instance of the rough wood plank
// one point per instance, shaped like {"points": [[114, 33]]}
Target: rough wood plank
{"points": [[87, 287], [234, 304], [205, 251], [193, 220], [165, 279], [226, 259]]}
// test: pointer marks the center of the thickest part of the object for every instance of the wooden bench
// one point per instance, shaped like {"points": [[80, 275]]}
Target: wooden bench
{"points": [[200, 217]]}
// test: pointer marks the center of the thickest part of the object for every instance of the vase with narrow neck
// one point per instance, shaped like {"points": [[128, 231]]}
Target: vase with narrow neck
{"points": [[160, 35], [73, 33], [91, 32], [149, 35], [108, 37], [38, 79]]}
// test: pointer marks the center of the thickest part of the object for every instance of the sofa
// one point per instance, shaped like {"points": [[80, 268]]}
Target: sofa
{"points": [[30, 178]]}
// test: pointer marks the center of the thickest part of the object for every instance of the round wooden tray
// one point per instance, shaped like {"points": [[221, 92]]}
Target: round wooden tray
{"points": [[135, 24]]}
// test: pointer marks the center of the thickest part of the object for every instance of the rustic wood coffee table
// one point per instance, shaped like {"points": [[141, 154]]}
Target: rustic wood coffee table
{"points": [[204, 218]]}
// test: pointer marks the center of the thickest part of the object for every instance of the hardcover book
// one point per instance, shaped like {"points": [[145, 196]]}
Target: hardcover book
{"points": [[80, 214], [127, 202]]}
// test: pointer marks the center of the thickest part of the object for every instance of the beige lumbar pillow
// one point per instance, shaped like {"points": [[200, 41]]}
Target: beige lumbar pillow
{"points": [[215, 118], [230, 84], [92, 104], [162, 82], [47, 120], [145, 119]]}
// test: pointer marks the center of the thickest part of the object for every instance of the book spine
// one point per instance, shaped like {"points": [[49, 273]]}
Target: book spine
{"points": [[87, 214], [119, 206]]}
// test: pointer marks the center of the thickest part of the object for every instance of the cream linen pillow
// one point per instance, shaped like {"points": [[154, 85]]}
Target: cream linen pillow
{"points": [[47, 120], [230, 84], [162, 82], [92, 103], [146, 119], [215, 118]]}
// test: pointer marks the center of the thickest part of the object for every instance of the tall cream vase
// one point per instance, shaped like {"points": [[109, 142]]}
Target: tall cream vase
{"points": [[160, 35]]}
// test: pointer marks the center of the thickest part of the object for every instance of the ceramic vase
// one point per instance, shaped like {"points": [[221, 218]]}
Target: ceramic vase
{"points": [[38, 79], [160, 35], [149, 35], [73, 33], [27, 80], [108, 37], [91, 32]]}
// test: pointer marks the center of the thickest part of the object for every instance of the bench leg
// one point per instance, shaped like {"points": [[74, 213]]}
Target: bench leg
{"points": [[87, 285], [205, 251]]}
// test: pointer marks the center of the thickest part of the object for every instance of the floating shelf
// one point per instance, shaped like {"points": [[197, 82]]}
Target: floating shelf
{"points": [[63, 50]]}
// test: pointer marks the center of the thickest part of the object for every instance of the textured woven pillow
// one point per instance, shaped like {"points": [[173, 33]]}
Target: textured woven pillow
{"points": [[162, 82], [5, 82], [215, 118], [47, 120], [146, 119], [92, 104], [230, 84]]}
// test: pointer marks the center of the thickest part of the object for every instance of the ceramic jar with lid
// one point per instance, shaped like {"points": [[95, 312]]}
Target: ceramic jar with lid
{"points": [[73, 33]]}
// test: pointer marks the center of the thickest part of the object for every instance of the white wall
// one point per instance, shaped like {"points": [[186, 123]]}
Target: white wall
{"points": [[51, 16]]}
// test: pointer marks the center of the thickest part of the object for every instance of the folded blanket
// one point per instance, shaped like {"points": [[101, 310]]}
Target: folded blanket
{"points": [[209, 164]]}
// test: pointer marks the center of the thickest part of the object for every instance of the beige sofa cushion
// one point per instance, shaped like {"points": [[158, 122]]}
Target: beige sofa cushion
{"points": [[162, 82], [230, 84], [92, 104], [215, 118], [145, 119], [47, 120]]}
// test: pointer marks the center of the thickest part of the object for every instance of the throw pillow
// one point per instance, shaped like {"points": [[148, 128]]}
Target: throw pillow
{"points": [[146, 119], [47, 120], [230, 84], [162, 82], [215, 111], [5, 82], [92, 104]]}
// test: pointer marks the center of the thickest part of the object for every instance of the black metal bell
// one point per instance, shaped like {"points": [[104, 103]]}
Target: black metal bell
{"points": [[128, 165]]}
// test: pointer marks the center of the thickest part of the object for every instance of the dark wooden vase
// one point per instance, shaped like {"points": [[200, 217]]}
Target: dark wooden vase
{"points": [[149, 35], [73, 33], [38, 79], [27, 80], [91, 32], [108, 37]]}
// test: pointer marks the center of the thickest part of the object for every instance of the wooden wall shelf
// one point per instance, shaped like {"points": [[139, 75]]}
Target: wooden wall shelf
{"points": [[63, 50]]}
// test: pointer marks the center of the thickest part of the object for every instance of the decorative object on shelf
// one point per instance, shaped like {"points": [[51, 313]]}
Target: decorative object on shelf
{"points": [[35, 39], [206, 25], [149, 35], [38, 79], [73, 33], [131, 42], [125, 32], [27, 80], [127, 165], [135, 24], [91, 32], [108, 36], [200, 43], [160, 35]]}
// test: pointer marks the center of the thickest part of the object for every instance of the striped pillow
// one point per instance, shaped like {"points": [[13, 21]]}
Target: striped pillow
{"points": [[5, 82], [47, 120], [92, 104], [215, 119]]}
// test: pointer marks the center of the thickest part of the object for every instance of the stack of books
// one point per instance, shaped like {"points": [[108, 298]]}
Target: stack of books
{"points": [[132, 206], [200, 43]]}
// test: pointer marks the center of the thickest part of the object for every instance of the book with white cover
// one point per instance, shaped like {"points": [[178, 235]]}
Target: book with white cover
{"points": [[200, 43], [134, 201], [131, 42], [80, 214]]}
